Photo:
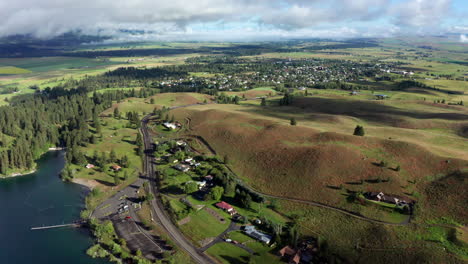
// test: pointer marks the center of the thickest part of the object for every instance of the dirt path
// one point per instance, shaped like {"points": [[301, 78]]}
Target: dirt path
{"points": [[313, 203]]}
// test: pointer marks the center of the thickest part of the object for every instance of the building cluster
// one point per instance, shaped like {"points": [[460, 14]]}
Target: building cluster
{"points": [[290, 73], [400, 202]]}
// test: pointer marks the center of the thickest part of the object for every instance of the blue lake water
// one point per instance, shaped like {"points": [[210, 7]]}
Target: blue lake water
{"points": [[41, 199]]}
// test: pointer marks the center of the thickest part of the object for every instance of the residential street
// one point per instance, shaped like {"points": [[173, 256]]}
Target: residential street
{"points": [[158, 209]]}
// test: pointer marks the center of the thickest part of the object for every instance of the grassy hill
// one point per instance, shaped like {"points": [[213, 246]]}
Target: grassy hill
{"points": [[292, 160], [311, 162]]}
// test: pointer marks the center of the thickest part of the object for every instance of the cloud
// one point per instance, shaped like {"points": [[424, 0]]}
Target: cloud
{"points": [[185, 18], [463, 38], [420, 13]]}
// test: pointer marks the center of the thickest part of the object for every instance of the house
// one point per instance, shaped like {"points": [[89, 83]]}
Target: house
{"points": [[208, 178], [201, 184], [381, 96], [182, 167], [260, 236], [89, 166], [181, 143], [353, 93], [293, 255], [188, 160], [169, 125], [226, 207], [391, 199], [116, 167]]}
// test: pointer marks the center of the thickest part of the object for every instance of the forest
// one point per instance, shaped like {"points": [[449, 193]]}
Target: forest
{"points": [[51, 118]]}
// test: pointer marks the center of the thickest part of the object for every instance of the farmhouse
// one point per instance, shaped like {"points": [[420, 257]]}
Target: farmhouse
{"points": [[381, 96], [208, 178], [391, 199], [182, 167], [292, 254], [169, 125], [89, 166], [226, 207], [116, 167], [252, 232]]}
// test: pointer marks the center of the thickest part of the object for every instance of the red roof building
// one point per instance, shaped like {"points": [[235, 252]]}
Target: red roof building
{"points": [[225, 206]]}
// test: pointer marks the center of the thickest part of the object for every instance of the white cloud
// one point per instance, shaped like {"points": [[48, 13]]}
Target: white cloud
{"points": [[421, 13], [463, 38], [166, 19]]}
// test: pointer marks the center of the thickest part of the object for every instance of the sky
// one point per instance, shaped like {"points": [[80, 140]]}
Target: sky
{"points": [[234, 20]]}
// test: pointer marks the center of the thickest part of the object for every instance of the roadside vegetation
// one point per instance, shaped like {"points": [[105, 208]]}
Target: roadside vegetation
{"points": [[319, 122]]}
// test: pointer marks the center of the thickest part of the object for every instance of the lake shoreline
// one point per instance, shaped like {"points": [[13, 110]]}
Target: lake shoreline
{"points": [[18, 174]]}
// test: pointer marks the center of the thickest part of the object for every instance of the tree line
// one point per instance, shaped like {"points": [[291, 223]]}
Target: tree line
{"points": [[54, 117]]}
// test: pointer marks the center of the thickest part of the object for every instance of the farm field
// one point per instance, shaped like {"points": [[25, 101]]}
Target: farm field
{"points": [[294, 135]]}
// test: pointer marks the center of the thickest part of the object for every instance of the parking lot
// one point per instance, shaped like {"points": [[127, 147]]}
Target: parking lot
{"points": [[121, 209]]}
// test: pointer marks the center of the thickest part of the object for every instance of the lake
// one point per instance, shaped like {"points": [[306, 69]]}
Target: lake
{"points": [[41, 199]]}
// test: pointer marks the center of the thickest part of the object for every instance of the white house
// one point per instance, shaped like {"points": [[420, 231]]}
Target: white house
{"points": [[169, 125]]}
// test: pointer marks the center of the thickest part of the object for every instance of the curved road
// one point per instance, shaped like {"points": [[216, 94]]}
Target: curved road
{"points": [[157, 206], [175, 233], [317, 204]]}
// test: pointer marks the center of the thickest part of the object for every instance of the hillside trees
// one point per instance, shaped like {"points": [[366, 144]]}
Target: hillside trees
{"points": [[55, 117], [286, 100]]}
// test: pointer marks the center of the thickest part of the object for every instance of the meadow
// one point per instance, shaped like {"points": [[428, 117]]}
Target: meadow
{"points": [[414, 145]]}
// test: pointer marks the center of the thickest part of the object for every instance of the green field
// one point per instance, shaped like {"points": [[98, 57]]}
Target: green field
{"points": [[10, 70]]}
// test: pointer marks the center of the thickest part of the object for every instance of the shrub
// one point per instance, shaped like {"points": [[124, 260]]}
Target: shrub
{"points": [[359, 131]]}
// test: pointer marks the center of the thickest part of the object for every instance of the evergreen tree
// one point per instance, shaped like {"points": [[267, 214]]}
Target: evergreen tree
{"points": [[124, 161], [116, 113], [112, 156], [116, 179], [359, 131], [139, 140], [293, 121]]}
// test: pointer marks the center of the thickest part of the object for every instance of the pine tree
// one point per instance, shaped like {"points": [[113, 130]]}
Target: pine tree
{"points": [[293, 121], [359, 131], [124, 161], [116, 113], [139, 140], [112, 156], [116, 179]]}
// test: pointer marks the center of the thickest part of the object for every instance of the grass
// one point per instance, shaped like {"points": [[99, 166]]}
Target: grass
{"points": [[203, 225], [255, 92], [7, 70], [115, 136], [228, 253]]}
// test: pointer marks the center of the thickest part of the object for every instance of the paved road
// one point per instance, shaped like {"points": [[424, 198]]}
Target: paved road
{"points": [[129, 228], [317, 204], [158, 208], [313, 203], [232, 227]]}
